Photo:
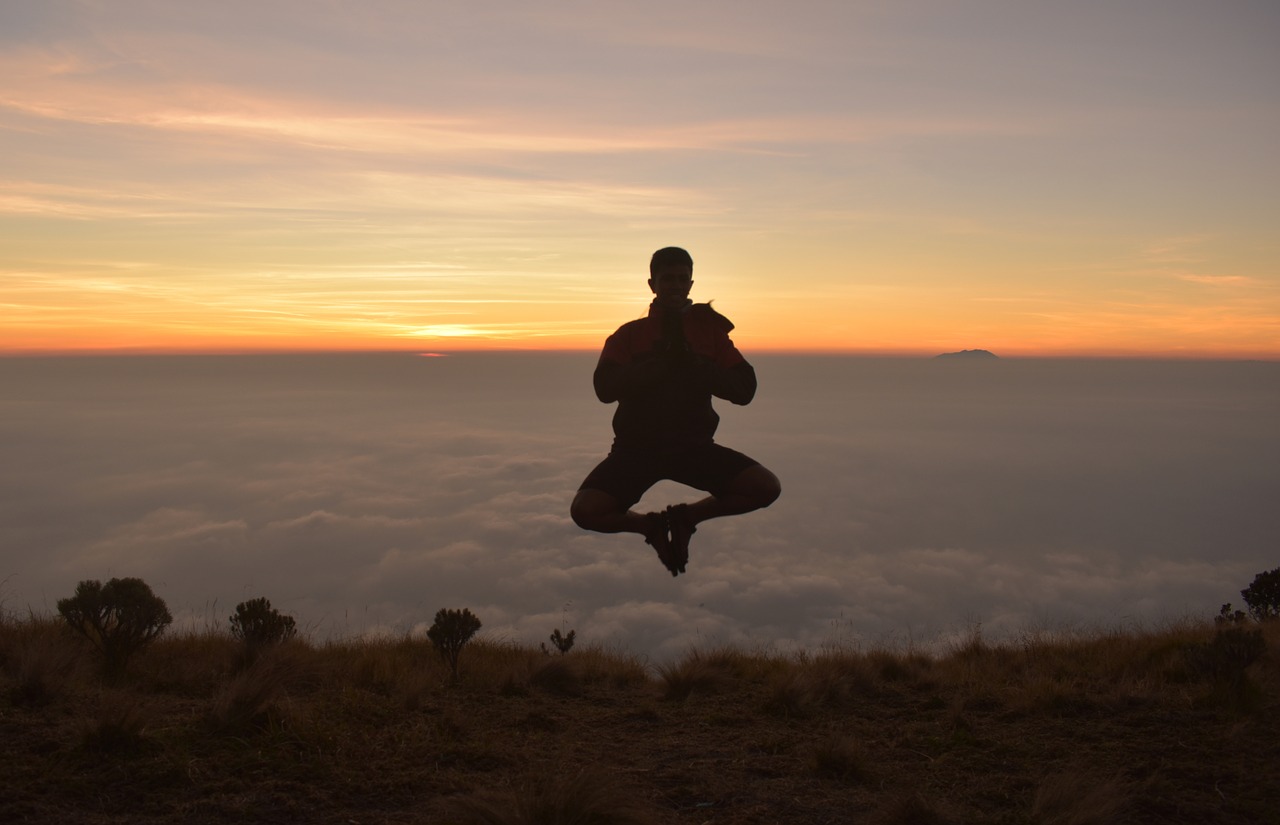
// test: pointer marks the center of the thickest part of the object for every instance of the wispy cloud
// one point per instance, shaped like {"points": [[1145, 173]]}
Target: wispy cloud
{"points": [[234, 146], [1218, 280]]}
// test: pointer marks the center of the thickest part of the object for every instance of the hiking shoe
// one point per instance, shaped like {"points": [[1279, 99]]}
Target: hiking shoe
{"points": [[682, 529], [655, 535]]}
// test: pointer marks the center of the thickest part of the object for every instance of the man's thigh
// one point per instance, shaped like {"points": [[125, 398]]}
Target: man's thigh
{"points": [[624, 474], [712, 468]]}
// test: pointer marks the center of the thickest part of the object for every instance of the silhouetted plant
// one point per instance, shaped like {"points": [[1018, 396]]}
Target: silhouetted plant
{"points": [[1263, 596], [1227, 616], [450, 632], [258, 625], [118, 618], [563, 643]]}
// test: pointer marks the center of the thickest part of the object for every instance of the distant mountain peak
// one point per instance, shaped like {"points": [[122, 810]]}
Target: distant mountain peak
{"points": [[969, 353]]}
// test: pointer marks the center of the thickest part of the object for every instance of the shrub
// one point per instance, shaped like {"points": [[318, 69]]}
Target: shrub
{"points": [[1263, 596], [118, 618], [451, 631], [563, 643], [257, 624], [1228, 616]]}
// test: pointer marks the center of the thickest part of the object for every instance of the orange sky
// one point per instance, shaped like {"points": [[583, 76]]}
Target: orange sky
{"points": [[848, 177]]}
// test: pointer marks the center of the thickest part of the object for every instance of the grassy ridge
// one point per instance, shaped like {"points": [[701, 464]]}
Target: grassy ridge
{"points": [[1169, 726]]}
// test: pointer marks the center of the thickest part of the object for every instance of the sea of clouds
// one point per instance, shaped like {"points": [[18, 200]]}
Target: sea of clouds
{"points": [[921, 498]]}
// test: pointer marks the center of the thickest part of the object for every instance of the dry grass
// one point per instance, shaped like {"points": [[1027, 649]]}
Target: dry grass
{"points": [[584, 798], [1075, 798], [707, 673], [842, 758], [1177, 724], [250, 700], [42, 662]]}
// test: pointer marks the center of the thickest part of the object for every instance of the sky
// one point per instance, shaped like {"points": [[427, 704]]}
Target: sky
{"points": [[923, 499], [1034, 178]]}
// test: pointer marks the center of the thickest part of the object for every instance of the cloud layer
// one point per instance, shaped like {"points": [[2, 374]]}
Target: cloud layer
{"points": [[362, 493]]}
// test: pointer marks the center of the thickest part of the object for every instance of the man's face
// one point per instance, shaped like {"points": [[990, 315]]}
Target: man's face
{"points": [[671, 283]]}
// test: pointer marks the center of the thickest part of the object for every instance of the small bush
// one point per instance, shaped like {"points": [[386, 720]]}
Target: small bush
{"points": [[118, 618], [563, 643], [1263, 596], [258, 625], [1228, 616], [450, 632]]}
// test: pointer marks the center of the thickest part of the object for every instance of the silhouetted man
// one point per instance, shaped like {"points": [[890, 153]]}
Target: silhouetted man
{"points": [[663, 370]]}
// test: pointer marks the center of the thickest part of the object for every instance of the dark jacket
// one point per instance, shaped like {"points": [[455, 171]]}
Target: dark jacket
{"points": [[663, 370]]}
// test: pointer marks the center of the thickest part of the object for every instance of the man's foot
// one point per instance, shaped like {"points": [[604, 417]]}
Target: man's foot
{"points": [[655, 535], [682, 529]]}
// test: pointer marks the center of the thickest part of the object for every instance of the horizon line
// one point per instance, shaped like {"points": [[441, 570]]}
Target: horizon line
{"points": [[885, 353]]}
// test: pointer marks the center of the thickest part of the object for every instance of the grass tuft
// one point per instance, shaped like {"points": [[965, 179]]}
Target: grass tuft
{"points": [[841, 758], [557, 676], [911, 809], [585, 798], [42, 664], [697, 672], [118, 726], [248, 701]]}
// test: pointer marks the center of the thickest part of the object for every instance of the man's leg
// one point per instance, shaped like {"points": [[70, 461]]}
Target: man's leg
{"points": [[751, 489], [597, 510]]}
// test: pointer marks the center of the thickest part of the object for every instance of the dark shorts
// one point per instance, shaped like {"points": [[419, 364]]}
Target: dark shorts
{"points": [[627, 472]]}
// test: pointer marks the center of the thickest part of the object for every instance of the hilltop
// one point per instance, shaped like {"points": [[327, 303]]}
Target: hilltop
{"points": [[969, 353], [1177, 725]]}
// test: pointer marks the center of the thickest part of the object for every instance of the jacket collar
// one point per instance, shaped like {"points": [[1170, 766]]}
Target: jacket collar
{"points": [[656, 309]]}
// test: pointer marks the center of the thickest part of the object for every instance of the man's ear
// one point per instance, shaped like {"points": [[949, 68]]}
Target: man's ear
{"points": [[652, 288]]}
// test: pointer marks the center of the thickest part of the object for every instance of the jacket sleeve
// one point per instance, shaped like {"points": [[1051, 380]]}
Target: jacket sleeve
{"points": [[619, 374], [736, 384], [729, 375], [614, 381]]}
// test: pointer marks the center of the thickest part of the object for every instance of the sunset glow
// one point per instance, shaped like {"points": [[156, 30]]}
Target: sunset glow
{"points": [[849, 177]]}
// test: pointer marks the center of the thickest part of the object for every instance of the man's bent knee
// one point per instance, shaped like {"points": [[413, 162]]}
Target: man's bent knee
{"points": [[590, 506], [758, 485]]}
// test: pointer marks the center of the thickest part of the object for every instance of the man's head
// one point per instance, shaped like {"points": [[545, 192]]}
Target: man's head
{"points": [[671, 275]]}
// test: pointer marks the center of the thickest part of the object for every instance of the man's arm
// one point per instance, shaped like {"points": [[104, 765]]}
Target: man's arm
{"points": [[736, 384], [614, 381]]}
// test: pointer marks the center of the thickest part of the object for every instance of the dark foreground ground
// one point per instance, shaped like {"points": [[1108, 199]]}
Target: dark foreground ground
{"points": [[1176, 726]]}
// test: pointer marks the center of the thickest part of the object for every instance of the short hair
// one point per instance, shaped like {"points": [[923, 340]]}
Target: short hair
{"points": [[669, 255]]}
